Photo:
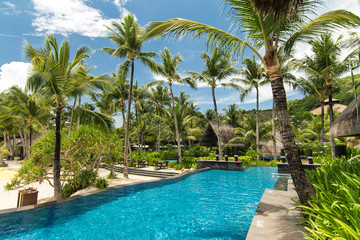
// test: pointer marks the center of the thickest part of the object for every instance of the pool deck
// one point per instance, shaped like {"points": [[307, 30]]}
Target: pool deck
{"points": [[273, 220]]}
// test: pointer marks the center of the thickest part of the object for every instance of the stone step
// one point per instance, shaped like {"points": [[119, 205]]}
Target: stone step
{"points": [[141, 172]]}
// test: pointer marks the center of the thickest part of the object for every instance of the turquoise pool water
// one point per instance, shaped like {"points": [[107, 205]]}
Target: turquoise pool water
{"points": [[207, 205]]}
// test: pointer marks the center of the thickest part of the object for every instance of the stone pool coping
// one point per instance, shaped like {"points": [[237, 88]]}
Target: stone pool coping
{"points": [[63, 200], [273, 219]]}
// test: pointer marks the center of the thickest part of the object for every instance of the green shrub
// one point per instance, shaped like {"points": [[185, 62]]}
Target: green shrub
{"points": [[334, 211], [101, 183], [111, 176], [80, 181]]}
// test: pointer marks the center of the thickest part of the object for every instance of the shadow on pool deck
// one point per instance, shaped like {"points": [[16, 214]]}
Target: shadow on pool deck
{"points": [[273, 220]]}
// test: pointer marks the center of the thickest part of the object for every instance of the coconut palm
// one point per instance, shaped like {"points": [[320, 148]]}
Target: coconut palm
{"points": [[253, 76], [51, 76], [169, 70], [275, 35], [139, 95], [31, 109], [217, 68], [128, 36], [232, 115], [324, 64], [159, 96]]}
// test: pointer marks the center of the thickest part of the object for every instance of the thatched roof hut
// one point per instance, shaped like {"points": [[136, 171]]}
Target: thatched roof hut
{"points": [[337, 107], [209, 139], [348, 122], [267, 148]]}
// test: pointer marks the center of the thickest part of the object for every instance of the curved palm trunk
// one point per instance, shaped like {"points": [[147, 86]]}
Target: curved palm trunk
{"points": [[303, 187], [217, 123], [274, 131], [322, 134], [57, 182], [331, 115], [127, 122], [257, 125], [176, 125], [72, 116]]}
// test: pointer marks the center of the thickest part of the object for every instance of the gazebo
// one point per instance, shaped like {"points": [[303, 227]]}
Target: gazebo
{"points": [[348, 122]]}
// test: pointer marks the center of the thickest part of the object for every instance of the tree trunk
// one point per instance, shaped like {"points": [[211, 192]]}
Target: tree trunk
{"points": [[217, 123], [274, 130], [302, 185], [257, 126], [30, 139], [78, 118], [331, 115], [157, 135], [2, 162], [14, 146], [23, 142], [72, 116], [137, 129], [127, 123], [176, 125], [322, 134], [57, 182]]}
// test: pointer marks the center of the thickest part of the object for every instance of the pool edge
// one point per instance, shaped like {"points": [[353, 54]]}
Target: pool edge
{"points": [[64, 200]]}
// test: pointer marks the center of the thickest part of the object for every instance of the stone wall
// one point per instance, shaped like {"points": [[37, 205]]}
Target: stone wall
{"points": [[219, 165]]}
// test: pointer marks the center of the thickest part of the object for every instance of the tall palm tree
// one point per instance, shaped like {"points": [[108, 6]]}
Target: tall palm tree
{"points": [[139, 95], [52, 75], [275, 35], [254, 76], [159, 96], [217, 68], [128, 36], [169, 69]]}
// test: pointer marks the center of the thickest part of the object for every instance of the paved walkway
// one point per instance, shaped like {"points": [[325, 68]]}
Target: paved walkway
{"points": [[272, 219]]}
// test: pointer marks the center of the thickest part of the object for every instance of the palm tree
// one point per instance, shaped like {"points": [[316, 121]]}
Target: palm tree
{"points": [[250, 134], [276, 35], [232, 115], [168, 69], [128, 36], [217, 67], [159, 96], [254, 77], [139, 94], [52, 75]]}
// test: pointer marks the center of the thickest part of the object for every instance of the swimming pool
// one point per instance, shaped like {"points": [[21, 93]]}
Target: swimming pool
{"points": [[207, 205]]}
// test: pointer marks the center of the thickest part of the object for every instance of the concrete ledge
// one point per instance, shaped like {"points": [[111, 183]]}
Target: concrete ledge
{"points": [[284, 167], [219, 165], [273, 220]]}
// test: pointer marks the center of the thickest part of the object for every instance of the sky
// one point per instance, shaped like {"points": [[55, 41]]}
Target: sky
{"points": [[82, 23]]}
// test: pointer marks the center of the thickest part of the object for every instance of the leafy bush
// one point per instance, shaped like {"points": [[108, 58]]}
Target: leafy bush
{"points": [[101, 183], [197, 151], [334, 211], [80, 181], [318, 148]]}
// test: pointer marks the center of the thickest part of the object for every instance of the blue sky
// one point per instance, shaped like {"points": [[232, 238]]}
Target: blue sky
{"points": [[81, 22]]}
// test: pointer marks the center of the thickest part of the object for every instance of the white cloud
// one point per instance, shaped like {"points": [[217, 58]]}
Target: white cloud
{"points": [[70, 16], [13, 73]]}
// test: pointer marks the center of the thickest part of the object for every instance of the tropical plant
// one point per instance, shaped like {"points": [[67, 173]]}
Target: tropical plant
{"points": [[253, 76], [217, 68], [169, 70], [128, 36], [52, 76], [275, 34]]}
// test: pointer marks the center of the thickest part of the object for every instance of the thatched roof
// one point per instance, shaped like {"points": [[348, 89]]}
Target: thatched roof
{"points": [[337, 107], [348, 122], [209, 139], [267, 148]]}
